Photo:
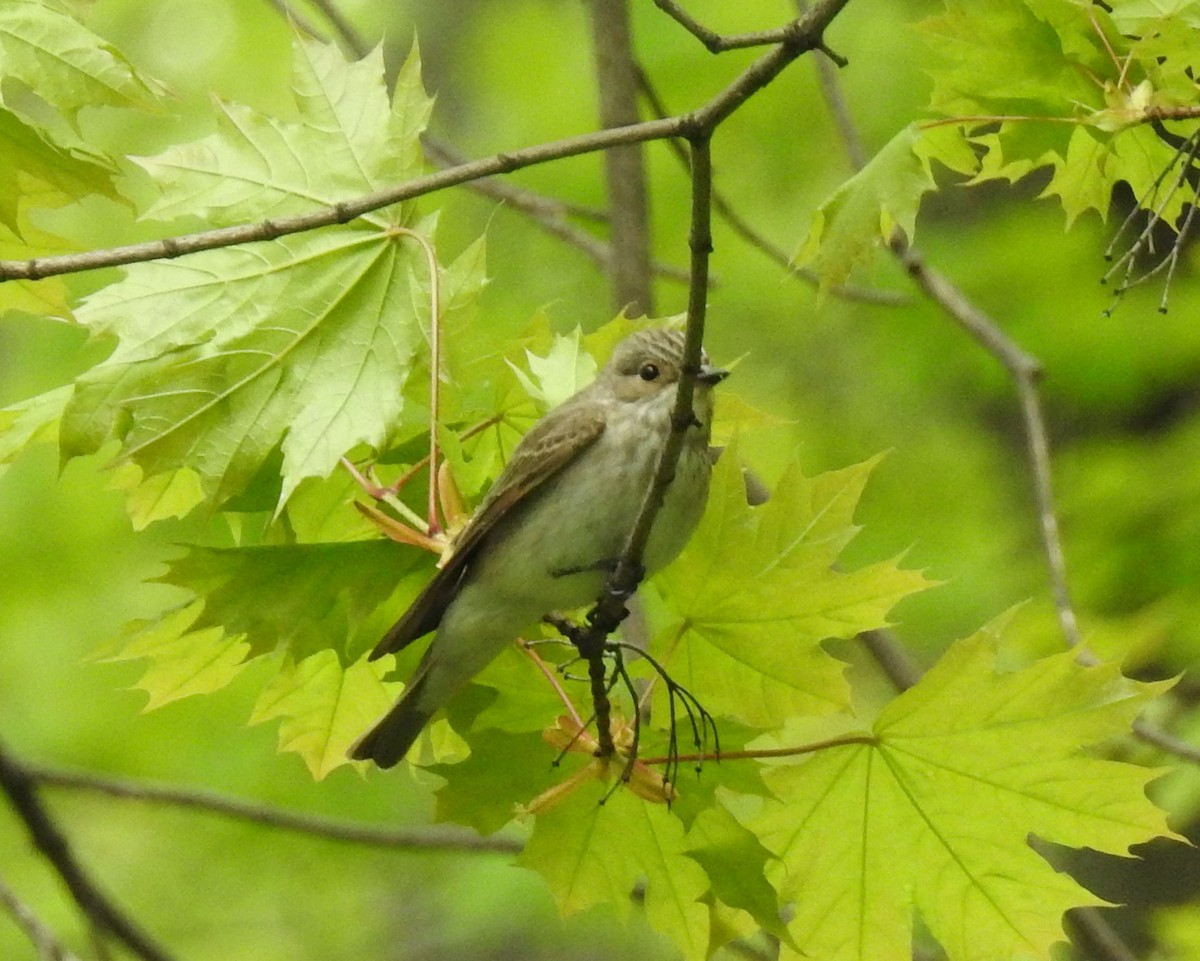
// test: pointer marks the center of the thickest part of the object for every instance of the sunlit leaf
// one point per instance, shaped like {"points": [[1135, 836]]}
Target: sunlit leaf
{"points": [[591, 853], [934, 814], [754, 593], [865, 210], [325, 707]]}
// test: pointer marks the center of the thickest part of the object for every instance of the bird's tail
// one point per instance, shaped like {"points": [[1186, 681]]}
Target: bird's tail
{"points": [[389, 740]]}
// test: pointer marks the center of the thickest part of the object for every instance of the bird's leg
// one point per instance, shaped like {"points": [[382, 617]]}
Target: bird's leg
{"points": [[604, 566]]}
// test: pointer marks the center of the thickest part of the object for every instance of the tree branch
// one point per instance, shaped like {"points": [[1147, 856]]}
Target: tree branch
{"points": [[804, 35], [415, 839], [17, 783], [624, 169], [742, 227], [610, 609], [39, 935], [547, 213], [1025, 372], [718, 43]]}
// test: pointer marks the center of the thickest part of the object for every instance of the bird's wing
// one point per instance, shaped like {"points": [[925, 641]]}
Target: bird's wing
{"points": [[550, 445]]}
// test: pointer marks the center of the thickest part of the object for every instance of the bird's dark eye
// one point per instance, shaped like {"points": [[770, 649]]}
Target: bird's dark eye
{"points": [[648, 372]]}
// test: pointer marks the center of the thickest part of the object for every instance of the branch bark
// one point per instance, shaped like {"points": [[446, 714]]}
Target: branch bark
{"points": [[624, 168], [21, 789], [803, 35], [422, 839]]}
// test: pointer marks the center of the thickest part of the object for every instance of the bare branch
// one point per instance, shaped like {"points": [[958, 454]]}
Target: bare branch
{"points": [[717, 43], [805, 36], [20, 787], [1098, 936], [697, 129], [1166, 742], [415, 839], [893, 659], [610, 609], [624, 167], [835, 100], [339, 213], [343, 27], [742, 227], [548, 213], [527, 201], [39, 935], [1025, 372]]}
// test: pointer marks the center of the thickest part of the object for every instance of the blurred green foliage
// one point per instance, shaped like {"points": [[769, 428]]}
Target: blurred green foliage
{"points": [[1122, 395]]}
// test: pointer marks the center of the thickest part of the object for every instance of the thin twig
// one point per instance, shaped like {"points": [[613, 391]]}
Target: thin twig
{"points": [[523, 199], [839, 109], [1098, 936], [797, 750], [1025, 372], [354, 40], [627, 574], [742, 227], [718, 43], [20, 787], [415, 839], [39, 935], [697, 128], [897, 664], [38, 268], [762, 71], [550, 214], [1166, 742]]}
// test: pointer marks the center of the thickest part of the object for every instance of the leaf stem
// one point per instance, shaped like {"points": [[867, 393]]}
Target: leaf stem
{"points": [[434, 524], [798, 750]]}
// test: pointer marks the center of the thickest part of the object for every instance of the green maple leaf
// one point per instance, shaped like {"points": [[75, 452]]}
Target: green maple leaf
{"points": [[325, 707], [1080, 179], [347, 140], [29, 422], [736, 861], [37, 174], [41, 298], [1076, 108], [301, 598], [184, 658], [1014, 58], [864, 210], [44, 49], [592, 853], [933, 813], [504, 772], [564, 371], [744, 609], [302, 345]]}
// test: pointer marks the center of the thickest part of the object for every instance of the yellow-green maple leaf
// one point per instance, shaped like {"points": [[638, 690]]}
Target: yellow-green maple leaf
{"points": [[933, 816]]}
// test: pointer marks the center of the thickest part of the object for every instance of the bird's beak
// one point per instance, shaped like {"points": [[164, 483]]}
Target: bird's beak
{"points": [[710, 375]]}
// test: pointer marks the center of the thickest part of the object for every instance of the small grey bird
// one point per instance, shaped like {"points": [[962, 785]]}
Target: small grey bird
{"points": [[548, 531]]}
